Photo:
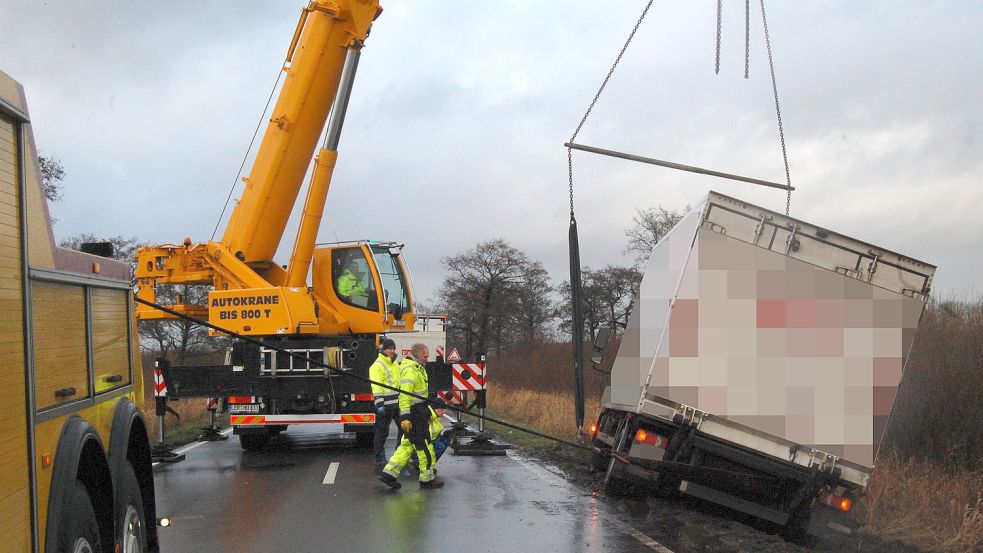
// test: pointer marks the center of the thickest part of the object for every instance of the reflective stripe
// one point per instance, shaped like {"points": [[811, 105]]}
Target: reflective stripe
{"points": [[407, 381]]}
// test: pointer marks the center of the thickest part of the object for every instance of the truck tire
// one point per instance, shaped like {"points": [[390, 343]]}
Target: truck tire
{"points": [[254, 441], [597, 463], [614, 486], [79, 532], [797, 527], [130, 519], [363, 440]]}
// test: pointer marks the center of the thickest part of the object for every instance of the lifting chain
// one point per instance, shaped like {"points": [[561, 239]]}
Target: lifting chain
{"points": [[774, 84], [720, 19], [747, 38], [778, 109], [598, 95]]}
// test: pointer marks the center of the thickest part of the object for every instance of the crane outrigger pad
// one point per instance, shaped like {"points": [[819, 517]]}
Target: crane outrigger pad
{"points": [[468, 442]]}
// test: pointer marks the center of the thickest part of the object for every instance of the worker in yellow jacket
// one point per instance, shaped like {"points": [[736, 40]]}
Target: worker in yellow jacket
{"points": [[385, 370], [414, 420]]}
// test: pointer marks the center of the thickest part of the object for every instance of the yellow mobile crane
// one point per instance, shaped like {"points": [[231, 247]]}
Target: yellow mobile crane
{"points": [[359, 289]]}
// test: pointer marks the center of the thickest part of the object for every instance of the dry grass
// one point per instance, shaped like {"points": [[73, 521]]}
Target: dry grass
{"points": [[548, 412], [183, 430], [921, 504]]}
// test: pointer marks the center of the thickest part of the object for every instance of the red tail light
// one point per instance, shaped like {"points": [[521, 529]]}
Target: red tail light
{"points": [[645, 437], [593, 429], [362, 397], [842, 503], [232, 400]]}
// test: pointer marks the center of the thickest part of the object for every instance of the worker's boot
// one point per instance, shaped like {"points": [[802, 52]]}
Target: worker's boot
{"points": [[390, 481], [432, 484]]}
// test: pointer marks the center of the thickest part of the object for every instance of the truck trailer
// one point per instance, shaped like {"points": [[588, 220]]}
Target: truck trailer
{"points": [[759, 366]]}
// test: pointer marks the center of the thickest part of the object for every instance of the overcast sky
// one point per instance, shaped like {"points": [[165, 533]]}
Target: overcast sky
{"points": [[460, 110]]}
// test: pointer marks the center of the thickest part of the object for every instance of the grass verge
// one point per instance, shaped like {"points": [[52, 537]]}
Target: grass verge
{"points": [[920, 504]]}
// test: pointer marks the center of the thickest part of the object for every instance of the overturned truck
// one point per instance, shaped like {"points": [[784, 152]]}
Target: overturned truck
{"points": [[759, 367]]}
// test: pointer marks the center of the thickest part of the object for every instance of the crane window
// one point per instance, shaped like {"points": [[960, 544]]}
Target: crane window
{"points": [[352, 276], [393, 282]]}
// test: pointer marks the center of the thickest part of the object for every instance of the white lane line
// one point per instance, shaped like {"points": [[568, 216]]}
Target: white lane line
{"points": [[189, 447], [546, 475], [332, 472]]}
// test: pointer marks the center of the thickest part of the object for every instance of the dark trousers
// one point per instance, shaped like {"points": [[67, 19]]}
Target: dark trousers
{"points": [[420, 433], [384, 416]]}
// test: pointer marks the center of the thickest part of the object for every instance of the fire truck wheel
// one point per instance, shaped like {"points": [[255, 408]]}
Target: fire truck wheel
{"points": [[131, 521], [79, 532]]}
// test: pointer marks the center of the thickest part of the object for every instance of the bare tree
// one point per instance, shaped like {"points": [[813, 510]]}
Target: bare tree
{"points": [[481, 293], [608, 295], [178, 338], [648, 227], [536, 305], [52, 175]]}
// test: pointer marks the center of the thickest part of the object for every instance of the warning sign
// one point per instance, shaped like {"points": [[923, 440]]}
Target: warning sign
{"points": [[454, 357]]}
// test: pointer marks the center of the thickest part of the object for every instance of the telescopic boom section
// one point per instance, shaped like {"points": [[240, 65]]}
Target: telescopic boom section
{"points": [[327, 30]]}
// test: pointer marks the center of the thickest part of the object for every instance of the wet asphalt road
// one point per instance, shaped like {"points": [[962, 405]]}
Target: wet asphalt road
{"points": [[224, 499]]}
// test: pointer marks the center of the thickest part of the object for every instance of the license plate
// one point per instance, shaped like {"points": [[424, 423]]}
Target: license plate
{"points": [[243, 408]]}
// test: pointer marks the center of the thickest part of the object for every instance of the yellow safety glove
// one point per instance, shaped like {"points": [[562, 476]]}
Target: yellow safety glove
{"points": [[406, 425]]}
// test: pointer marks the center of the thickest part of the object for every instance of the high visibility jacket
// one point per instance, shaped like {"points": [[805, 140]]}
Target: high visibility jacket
{"points": [[349, 285], [387, 371], [413, 379], [435, 427]]}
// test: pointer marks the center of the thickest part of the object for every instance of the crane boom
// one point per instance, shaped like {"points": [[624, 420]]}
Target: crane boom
{"points": [[325, 33], [358, 288]]}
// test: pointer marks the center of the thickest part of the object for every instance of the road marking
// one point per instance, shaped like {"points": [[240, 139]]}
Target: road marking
{"points": [[329, 476], [541, 472], [189, 447]]}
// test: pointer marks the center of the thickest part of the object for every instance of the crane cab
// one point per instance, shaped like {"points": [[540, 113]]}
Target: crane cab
{"points": [[362, 287]]}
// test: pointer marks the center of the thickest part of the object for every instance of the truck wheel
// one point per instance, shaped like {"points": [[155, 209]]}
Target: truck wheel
{"points": [[596, 463], [797, 526], [363, 440], [130, 518], [614, 486], [253, 441], [79, 532]]}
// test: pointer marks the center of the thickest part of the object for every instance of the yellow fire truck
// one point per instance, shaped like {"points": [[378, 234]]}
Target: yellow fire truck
{"points": [[75, 468]]}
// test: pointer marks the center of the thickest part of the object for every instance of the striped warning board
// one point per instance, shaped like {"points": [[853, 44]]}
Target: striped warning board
{"points": [[440, 351], [262, 420], [468, 376], [453, 397], [160, 389]]}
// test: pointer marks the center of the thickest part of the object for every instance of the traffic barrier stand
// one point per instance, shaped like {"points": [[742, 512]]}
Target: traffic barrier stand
{"points": [[210, 433], [162, 452], [472, 377]]}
